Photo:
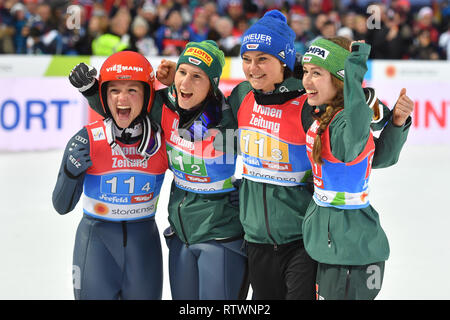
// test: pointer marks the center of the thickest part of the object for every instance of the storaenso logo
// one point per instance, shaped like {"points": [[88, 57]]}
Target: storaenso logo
{"points": [[119, 68], [318, 52]]}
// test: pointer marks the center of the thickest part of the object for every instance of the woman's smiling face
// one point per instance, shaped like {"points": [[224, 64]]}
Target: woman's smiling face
{"points": [[125, 99], [192, 85], [318, 85], [262, 70]]}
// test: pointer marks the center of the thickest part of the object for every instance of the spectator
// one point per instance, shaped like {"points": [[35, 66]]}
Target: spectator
{"points": [[227, 42], [445, 13], [19, 12], [172, 36], [213, 34], [31, 8], [141, 42], [38, 26], [328, 29], [210, 8], [301, 37], [118, 38], [393, 39], [423, 48], [346, 32], [349, 20], [424, 21], [234, 11], [318, 23], [360, 28], [149, 13], [97, 25], [355, 7], [73, 30], [314, 11], [44, 37], [198, 29], [240, 27], [6, 28], [444, 42]]}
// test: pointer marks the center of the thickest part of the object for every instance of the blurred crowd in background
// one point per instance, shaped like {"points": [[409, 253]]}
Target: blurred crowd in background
{"points": [[396, 29]]}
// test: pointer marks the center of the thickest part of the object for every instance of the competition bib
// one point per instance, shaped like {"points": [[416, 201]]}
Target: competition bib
{"points": [[338, 184], [272, 142], [196, 165], [116, 188]]}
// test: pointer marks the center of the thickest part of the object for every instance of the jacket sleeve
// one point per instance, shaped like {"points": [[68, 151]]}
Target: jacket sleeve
{"points": [[68, 189], [351, 128], [93, 99], [156, 110], [389, 139], [389, 144]]}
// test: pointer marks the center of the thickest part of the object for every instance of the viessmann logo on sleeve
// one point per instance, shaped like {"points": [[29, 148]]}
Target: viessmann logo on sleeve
{"points": [[200, 54]]}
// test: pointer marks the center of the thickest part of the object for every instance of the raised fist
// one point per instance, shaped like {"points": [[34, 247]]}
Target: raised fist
{"points": [[82, 77]]}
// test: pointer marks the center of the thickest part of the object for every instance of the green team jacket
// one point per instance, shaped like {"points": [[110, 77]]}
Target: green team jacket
{"points": [[194, 217], [273, 214], [353, 237]]}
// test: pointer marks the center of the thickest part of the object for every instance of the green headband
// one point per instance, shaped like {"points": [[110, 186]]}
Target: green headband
{"points": [[328, 55], [207, 56]]}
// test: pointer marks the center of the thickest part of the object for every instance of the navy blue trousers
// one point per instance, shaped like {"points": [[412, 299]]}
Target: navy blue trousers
{"points": [[114, 260], [211, 270]]}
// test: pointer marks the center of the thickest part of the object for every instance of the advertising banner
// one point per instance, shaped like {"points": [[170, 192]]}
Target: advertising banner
{"points": [[428, 85], [39, 113], [39, 109]]}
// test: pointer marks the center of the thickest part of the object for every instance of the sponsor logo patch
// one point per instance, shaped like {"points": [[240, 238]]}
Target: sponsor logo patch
{"points": [[142, 198], [277, 166], [318, 52], [198, 179], [98, 134], [252, 46], [200, 54], [194, 61]]}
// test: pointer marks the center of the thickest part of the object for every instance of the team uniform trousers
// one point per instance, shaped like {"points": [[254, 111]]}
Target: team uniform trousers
{"points": [[206, 270], [117, 260]]}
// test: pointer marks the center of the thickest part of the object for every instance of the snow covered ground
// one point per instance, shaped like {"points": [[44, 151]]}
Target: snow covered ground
{"points": [[36, 243]]}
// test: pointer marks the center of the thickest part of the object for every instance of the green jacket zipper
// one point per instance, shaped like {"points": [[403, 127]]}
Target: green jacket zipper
{"points": [[181, 220], [347, 282], [266, 216], [329, 233]]}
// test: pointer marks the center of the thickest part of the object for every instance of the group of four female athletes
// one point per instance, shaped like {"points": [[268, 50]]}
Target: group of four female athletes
{"points": [[293, 243]]}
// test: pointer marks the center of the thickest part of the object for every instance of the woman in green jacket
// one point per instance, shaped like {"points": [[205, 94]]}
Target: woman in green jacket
{"points": [[341, 230], [272, 115], [205, 238]]}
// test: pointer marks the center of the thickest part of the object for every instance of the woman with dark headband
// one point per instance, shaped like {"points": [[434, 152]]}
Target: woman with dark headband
{"points": [[272, 114], [341, 229]]}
